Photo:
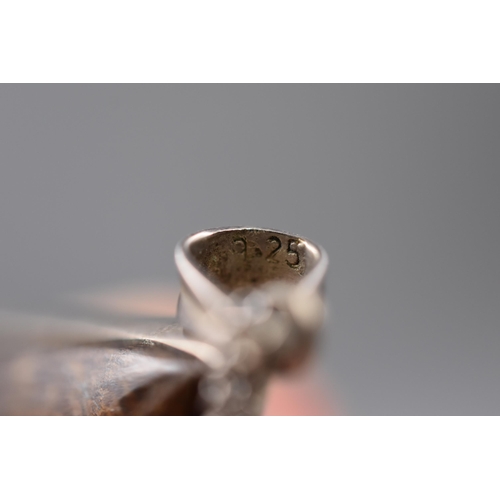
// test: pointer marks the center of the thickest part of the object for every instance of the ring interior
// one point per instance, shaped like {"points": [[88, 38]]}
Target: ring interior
{"points": [[239, 258]]}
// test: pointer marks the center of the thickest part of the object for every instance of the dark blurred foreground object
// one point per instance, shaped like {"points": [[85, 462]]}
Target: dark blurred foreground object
{"points": [[50, 366], [250, 304]]}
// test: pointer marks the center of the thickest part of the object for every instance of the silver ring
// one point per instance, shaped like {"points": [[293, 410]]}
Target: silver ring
{"points": [[257, 296]]}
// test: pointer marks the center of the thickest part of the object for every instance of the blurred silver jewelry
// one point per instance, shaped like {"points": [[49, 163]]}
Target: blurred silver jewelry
{"points": [[255, 296]]}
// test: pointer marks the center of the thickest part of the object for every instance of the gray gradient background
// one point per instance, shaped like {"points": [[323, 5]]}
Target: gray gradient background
{"points": [[400, 183]]}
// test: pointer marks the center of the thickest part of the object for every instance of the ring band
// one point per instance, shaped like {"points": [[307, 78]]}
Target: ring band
{"points": [[251, 290]]}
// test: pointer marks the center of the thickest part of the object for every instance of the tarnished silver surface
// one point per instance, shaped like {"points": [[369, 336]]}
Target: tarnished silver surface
{"points": [[250, 304], [256, 297]]}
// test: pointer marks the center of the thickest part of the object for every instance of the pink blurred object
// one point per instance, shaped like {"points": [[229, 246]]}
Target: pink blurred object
{"points": [[299, 394]]}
